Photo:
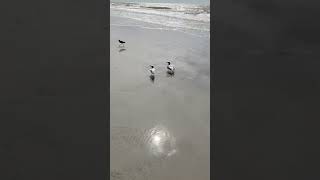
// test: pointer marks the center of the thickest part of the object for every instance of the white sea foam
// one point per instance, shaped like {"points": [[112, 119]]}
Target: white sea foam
{"points": [[173, 15]]}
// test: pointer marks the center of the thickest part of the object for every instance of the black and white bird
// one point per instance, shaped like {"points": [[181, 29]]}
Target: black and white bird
{"points": [[170, 67], [152, 70], [121, 42]]}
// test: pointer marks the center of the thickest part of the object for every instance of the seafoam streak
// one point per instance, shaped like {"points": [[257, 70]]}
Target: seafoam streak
{"points": [[181, 17]]}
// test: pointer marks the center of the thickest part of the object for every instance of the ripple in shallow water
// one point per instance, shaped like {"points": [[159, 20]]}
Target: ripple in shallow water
{"points": [[158, 141]]}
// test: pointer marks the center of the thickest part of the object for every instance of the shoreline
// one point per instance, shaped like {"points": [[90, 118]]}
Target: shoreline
{"points": [[192, 19]]}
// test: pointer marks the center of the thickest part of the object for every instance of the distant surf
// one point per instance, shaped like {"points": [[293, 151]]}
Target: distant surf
{"points": [[176, 16]]}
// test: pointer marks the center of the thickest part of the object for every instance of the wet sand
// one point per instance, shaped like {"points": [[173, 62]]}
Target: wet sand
{"points": [[160, 128]]}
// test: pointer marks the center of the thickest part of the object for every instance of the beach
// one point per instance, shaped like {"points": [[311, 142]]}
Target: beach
{"points": [[160, 128]]}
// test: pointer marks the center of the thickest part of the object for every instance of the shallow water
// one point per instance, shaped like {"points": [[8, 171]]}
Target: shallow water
{"points": [[160, 128]]}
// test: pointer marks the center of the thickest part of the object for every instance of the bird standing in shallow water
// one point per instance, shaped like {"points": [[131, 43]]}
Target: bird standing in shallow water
{"points": [[121, 42], [152, 70], [170, 67]]}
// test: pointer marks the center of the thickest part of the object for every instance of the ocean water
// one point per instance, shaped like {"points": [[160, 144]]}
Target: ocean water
{"points": [[190, 16], [206, 2]]}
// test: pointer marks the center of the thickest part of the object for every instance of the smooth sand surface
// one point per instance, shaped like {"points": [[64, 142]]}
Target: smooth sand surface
{"points": [[160, 129]]}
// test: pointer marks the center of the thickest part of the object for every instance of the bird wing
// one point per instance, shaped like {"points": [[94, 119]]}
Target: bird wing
{"points": [[170, 67]]}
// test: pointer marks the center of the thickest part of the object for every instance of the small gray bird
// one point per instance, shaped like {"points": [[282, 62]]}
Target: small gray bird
{"points": [[152, 70], [122, 42], [170, 67]]}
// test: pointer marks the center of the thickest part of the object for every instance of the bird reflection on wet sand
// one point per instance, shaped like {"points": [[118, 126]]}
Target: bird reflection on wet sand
{"points": [[170, 73], [152, 78], [122, 49]]}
